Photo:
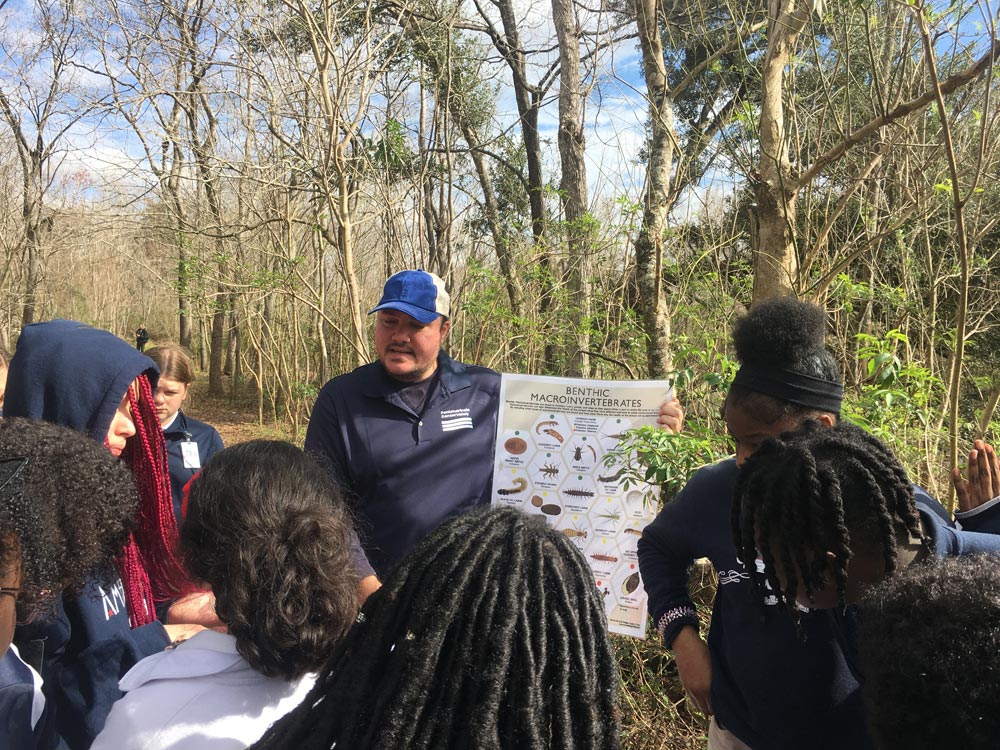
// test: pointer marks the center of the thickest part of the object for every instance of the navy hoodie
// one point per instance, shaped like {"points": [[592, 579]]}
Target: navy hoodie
{"points": [[74, 375], [771, 688]]}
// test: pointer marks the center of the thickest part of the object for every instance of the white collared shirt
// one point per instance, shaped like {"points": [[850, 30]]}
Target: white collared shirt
{"points": [[200, 694]]}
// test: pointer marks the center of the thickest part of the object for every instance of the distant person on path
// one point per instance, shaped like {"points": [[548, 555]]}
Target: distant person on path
{"points": [[411, 437], [268, 532], [190, 443], [141, 337], [491, 634]]}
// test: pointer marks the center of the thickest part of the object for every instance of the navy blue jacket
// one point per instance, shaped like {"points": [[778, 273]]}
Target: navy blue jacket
{"points": [[404, 472], [18, 703], [181, 430], [74, 375], [772, 689]]}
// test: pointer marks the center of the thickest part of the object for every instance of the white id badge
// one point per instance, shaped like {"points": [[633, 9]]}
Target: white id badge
{"points": [[189, 452]]}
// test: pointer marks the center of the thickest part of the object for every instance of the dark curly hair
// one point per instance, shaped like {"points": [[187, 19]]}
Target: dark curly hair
{"points": [[269, 532], [490, 635], [66, 508], [781, 334], [928, 644], [815, 490]]}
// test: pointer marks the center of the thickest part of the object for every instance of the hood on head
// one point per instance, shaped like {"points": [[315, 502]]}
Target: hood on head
{"points": [[72, 375]]}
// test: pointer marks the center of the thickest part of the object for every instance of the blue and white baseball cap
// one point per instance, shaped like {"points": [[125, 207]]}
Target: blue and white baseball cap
{"points": [[419, 294]]}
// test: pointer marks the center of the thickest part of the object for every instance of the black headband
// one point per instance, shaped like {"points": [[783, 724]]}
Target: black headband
{"points": [[794, 387]]}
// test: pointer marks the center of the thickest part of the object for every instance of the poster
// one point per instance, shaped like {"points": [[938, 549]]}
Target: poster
{"points": [[552, 436]]}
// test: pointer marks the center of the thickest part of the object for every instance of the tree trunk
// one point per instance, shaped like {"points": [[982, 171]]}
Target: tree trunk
{"points": [[231, 335], [656, 201], [345, 246], [31, 210], [775, 262], [529, 101], [218, 345], [573, 186], [183, 303]]}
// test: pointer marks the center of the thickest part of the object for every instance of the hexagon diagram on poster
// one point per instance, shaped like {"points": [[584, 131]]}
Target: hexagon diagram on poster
{"points": [[552, 438]]}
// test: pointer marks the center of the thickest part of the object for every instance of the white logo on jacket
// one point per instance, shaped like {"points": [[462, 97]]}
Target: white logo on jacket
{"points": [[736, 576], [113, 602], [456, 419]]}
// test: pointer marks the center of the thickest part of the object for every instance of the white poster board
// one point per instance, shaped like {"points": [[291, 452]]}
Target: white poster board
{"points": [[552, 435]]}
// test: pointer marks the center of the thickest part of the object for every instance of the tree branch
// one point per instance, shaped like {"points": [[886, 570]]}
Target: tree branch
{"points": [[946, 87]]}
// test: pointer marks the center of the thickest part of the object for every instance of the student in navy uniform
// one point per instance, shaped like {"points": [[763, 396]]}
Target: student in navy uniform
{"points": [[831, 513], [66, 506], [91, 381], [190, 443], [764, 686], [410, 437]]}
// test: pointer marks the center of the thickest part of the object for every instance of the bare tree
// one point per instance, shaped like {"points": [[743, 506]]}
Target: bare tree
{"points": [[40, 102]]}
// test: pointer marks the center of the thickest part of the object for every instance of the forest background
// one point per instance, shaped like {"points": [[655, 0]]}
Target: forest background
{"points": [[604, 187]]}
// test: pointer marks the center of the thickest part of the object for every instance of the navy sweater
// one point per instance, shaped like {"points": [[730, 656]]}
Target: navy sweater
{"points": [[772, 689], [185, 429], [74, 375]]}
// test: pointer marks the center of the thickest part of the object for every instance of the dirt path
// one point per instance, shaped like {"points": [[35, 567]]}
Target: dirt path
{"points": [[236, 420]]}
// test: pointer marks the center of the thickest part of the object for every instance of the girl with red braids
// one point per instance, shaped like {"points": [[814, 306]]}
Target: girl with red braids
{"points": [[89, 380]]}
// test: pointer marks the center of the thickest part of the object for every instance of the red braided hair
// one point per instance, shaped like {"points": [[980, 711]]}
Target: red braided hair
{"points": [[149, 567]]}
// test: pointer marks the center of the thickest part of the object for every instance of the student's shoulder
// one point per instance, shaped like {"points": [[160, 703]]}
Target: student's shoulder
{"points": [[196, 425], [708, 492], [712, 478]]}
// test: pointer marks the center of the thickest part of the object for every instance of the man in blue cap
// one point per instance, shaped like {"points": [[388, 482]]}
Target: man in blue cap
{"points": [[410, 437]]}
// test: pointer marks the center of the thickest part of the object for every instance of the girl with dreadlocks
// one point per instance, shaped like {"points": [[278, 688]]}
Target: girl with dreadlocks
{"points": [[93, 382], [490, 635], [831, 513], [766, 688]]}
